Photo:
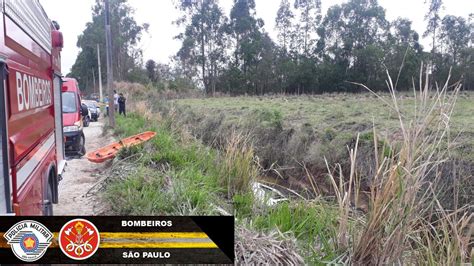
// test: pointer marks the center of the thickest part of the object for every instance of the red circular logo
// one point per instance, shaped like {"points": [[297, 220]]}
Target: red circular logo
{"points": [[79, 239]]}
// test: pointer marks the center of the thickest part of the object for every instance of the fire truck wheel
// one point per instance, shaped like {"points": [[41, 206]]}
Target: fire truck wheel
{"points": [[48, 201], [82, 146], [87, 121]]}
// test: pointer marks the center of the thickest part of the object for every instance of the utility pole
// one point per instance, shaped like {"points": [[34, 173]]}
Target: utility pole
{"points": [[101, 97], [110, 77], [93, 81]]}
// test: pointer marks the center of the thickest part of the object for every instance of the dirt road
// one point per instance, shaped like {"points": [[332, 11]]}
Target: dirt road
{"points": [[80, 176]]}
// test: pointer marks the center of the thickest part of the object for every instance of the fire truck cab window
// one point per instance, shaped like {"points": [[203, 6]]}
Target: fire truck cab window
{"points": [[69, 102]]}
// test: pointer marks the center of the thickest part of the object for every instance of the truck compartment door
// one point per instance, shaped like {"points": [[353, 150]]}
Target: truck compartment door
{"points": [[58, 121], [5, 192]]}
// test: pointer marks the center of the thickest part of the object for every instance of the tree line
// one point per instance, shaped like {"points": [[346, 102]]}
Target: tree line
{"points": [[127, 56], [313, 52]]}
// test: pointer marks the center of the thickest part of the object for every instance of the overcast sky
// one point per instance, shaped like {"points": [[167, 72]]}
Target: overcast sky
{"points": [[159, 45]]}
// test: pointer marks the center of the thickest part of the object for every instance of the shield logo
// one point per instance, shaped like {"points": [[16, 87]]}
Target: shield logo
{"points": [[29, 240], [79, 239]]}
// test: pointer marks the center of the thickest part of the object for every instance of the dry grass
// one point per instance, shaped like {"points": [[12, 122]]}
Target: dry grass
{"points": [[141, 92], [405, 221], [344, 195], [142, 109], [239, 169], [135, 90], [253, 248], [447, 240]]}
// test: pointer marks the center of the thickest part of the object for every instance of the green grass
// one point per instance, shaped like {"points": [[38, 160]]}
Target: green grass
{"points": [[179, 177], [314, 224], [320, 111], [172, 177], [323, 111]]}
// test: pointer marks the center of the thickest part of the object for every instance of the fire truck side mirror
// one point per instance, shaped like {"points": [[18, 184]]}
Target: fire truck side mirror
{"points": [[55, 25], [57, 39]]}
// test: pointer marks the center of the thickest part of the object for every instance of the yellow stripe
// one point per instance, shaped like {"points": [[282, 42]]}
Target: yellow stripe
{"points": [[158, 245], [143, 245], [153, 235], [131, 236], [148, 235]]}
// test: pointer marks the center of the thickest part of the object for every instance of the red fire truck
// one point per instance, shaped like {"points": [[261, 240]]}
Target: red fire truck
{"points": [[31, 137]]}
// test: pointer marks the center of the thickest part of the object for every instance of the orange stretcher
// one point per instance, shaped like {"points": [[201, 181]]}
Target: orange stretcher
{"points": [[108, 152]]}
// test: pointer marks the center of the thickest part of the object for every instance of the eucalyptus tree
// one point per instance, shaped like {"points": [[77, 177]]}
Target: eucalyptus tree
{"points": [[455, 33], [353, 35], [203, 40], [454, 38], [403, 53], [126, 34], [285, 63], [150, 67], [245, 30], [434, 20], [471, 27], [284, 24], [310, 18]]}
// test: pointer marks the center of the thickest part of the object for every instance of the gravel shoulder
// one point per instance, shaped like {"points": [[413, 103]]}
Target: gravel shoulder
{"points": [[80, 176]]}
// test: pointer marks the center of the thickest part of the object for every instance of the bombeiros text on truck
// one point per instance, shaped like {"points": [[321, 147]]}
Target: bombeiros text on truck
{"points": [[32, 141]]}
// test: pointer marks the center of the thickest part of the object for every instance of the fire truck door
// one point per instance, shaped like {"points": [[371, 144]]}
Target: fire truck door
{"points": [[58, 120], [5, 198]]}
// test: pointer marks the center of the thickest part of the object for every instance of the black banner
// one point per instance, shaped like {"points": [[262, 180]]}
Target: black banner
{"points": [[106, 239]]}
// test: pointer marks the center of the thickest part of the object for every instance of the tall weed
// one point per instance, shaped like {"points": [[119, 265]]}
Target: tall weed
{"points": [[239, 169], [403, 194]]}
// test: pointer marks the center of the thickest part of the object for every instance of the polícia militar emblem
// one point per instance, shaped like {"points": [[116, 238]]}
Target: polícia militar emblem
{"points": [[79, 239], [29, 240]]}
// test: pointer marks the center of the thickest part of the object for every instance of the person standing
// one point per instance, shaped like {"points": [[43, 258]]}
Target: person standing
{"points": [[121, 102], [116, 97]]}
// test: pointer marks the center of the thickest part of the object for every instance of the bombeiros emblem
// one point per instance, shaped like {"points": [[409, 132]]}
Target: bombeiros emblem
{"points": [[79, 239], [29, 240]]}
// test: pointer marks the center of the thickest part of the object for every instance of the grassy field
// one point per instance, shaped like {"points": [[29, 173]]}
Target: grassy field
{"points": [[209, 151], [291, 132], [343, 113]]}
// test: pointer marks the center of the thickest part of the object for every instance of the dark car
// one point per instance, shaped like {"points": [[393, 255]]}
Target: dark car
{"points": [[94, 97], [93, 109]]}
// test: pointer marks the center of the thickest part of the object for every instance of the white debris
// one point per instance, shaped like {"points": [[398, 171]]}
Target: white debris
{"points": [[267, 195]]}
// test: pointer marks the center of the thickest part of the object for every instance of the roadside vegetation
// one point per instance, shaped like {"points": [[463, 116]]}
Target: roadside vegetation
{"points": [[389, 180], [293, 136], [174, 174], [314, 168]]}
